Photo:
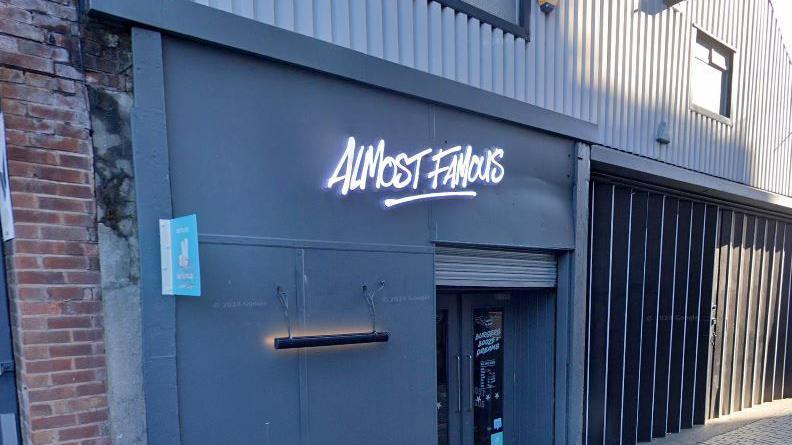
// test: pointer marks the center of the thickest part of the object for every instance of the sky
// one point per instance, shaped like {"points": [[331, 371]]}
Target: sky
{"points": [[783, 9]]}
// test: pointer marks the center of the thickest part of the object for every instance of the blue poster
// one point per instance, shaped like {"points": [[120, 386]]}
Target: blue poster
{"points": [[181, 268], [497, 438]]}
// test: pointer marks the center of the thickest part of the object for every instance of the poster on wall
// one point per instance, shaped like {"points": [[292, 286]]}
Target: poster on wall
{"points": [[181, 271], [6, 211], [488, 376]]}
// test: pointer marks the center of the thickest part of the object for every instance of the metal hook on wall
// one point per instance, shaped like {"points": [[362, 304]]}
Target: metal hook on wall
{"points": [[369, 297], [284, 301]]}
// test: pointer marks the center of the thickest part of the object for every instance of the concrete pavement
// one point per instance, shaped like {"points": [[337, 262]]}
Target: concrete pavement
{"points": [[769, 423]]}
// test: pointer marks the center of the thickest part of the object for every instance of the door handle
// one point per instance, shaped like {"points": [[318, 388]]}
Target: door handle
{"points": [[470, 376], [459, 383]]}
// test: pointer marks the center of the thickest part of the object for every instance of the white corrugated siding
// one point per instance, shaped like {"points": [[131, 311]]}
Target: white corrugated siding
{"points": [[601, 61]]}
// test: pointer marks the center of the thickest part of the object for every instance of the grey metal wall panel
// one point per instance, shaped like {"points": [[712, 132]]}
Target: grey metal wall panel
{"points": [[618, 64], [494, 268], [251, 164], [286, 146], [677, 312], [537, 389]]}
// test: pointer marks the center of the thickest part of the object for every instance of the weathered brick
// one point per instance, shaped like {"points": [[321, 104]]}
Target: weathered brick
{"points": [[32, 155], [11, 75], [36, 352], [70, 350], [65, 262], [91, 389], [49, 8], [13, 107], [89, 362], [67, 233], [83, 376], [66, 293], [51, 247], [57, 114], [21, 29], [45, 423], [43, 437], [93, 416], [45, 337], [40, 410], [26, 61], [25, 123], [16, 14], [37, 381], [53, 261], [26, 262], [42, 366], [68, 71], [83, 432], [83, 404], [39, 277], [88, 335], [63, 204], [51, 173], [42, 308], [54, 142], [55, 393], [42, 50], [81, 277], [69, 322]]}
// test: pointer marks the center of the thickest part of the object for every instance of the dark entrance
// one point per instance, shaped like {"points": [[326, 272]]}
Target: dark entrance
{"points": [[9, 433], [475, 347], [487, 391]]}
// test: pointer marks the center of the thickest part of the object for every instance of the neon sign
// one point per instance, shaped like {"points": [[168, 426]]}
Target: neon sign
{"points": [[449, 171]]}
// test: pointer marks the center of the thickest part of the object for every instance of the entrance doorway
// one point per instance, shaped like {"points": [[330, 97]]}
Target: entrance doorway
{"points": [[476, 372]]}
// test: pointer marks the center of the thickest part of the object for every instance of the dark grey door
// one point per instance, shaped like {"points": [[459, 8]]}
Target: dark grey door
{"points": [[9, 432], [476, 368]]}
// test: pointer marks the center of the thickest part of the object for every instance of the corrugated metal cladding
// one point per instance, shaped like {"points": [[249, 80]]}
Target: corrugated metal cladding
{"points": [[494, 268], [660, 267], [606, 62]]}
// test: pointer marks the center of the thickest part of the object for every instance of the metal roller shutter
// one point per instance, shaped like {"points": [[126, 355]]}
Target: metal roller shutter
{"points": [[456, 266]]}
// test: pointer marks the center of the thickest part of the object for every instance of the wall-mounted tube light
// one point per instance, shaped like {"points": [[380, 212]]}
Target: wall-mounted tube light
{"points": [[312, 341]]}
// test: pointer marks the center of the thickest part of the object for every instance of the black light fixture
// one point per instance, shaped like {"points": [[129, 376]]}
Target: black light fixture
{"points": [[312, 341], [547, 6]]}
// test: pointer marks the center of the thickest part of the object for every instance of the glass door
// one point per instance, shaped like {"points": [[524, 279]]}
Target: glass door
{"points": [[476, 397]]}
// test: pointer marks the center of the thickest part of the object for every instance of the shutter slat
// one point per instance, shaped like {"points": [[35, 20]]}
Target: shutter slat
{"points": [[494, 268]]}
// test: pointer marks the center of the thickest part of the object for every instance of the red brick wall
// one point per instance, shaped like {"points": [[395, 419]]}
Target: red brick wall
{"points": [[52, 264]]}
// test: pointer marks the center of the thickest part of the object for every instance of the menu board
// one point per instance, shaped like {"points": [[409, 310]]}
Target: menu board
{"points": [[488, 376]]}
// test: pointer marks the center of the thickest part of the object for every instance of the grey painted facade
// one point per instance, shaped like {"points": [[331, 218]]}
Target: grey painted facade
{"points": [[265, 166], [623, 65]]}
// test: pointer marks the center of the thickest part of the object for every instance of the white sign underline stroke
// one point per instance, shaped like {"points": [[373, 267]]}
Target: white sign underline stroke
{"points": [[396, 201]]}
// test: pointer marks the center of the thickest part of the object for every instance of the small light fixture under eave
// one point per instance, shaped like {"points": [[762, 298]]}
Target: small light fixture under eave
{"points": [[547, 6], [662, 136]]}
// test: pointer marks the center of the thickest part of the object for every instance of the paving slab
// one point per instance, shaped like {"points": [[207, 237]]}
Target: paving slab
{"points": [[769, 423]]}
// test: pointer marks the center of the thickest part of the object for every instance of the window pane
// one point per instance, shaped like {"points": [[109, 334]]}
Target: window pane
{"points": [[701, 51], [706, 86], [719, 59], [488, 376], [505, 9]]}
